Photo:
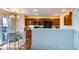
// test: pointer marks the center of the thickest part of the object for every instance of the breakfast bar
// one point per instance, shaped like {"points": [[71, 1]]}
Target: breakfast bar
{"points": [[53, 39]]}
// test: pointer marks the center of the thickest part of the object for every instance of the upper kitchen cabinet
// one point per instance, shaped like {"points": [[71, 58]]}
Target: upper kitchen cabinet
{"points": [[56, 22], [29, 21], [68, 19]]}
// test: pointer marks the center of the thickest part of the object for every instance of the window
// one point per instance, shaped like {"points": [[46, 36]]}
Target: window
{"points": [[5, 29]]}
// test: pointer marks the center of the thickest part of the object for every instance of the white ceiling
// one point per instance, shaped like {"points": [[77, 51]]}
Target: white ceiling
{"points": [[39, 12], [45, 11]]}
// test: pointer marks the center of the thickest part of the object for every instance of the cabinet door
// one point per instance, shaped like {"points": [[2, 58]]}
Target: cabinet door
{"points": [[56, 22], [28, 40], [68, 19]]}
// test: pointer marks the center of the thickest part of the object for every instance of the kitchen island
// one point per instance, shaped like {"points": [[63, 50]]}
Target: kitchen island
{"points": [[53, 39]]}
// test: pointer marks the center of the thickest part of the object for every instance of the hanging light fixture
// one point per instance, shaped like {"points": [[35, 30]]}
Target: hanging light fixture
{"points": [[18, 16], [12, 16]]}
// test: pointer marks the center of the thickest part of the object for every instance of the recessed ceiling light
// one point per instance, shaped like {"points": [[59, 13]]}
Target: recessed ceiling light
{"points": [[56, 14], [35, 10], [63, 10], [36, 14]]}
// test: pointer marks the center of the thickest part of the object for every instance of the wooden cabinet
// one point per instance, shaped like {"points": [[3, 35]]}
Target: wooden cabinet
{"points": [[68, 19], [56, 22], [29, 21], [28, 39]]}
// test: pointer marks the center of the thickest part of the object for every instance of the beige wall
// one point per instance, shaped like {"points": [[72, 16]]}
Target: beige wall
{"points": [[16, 25], [20, 24], [12, 25]]}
